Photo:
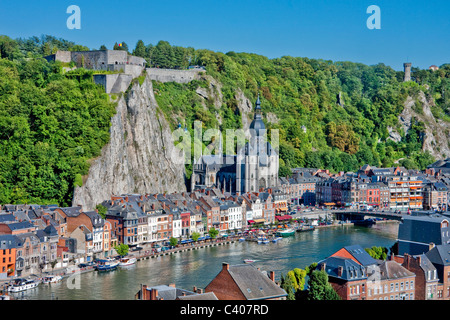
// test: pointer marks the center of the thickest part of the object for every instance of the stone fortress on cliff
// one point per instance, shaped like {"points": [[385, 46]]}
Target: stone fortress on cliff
{"points": [[126, 67]]}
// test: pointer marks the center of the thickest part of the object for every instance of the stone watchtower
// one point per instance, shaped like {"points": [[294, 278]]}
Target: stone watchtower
{"points": [[407, 68]]}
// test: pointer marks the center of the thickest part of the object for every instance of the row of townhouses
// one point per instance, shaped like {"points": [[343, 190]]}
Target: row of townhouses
{"points": [[384, 188], [39, 238], [36, 238]]}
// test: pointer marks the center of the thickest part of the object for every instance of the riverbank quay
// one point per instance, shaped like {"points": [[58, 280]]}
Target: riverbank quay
{"points": [[148, 252]]}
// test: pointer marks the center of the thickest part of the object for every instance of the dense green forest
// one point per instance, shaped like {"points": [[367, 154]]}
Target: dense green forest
{"points": [[52, 123], [341, 134]]}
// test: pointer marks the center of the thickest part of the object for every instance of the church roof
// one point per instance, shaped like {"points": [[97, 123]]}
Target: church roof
{"points": [[257, 123]]}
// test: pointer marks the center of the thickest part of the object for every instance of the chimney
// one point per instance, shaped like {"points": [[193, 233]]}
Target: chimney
{"points": [[272, 276], [323, 266], [199, 291], [431, 246], [225, 266], [407, 260], [154, 294], [418, 260], [194, 289], [172, 285], [142, 197], [340, 270], [143, 292]]}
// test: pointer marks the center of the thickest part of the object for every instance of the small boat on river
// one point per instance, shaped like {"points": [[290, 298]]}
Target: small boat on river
{"points": [[275, 240], [107, 265], [51, 279], [305, 228], [286, 232], [249, 260], [23, 284], [125, 262]]}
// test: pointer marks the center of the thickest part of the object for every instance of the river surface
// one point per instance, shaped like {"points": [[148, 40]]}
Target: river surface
{"points": [[198, 267]]}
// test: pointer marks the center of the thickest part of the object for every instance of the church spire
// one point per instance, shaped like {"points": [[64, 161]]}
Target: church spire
{"points": [[258, 104]]}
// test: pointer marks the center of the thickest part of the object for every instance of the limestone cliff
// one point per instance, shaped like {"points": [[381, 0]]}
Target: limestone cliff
{"points": [[140, 156], [436, 139]]}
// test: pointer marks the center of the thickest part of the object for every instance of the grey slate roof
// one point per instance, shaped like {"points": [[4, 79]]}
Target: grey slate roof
{"points": [[439, 255], [72, 211], [350, 269], [8, 241], [425, 263], [360, 255], [392, 270], [200, 296], [7, 218], [253, 283], [170, 293], [20, 225]]}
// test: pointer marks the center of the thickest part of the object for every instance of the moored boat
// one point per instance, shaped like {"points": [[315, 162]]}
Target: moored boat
{"points": [[274, 240], [23, 284], [124, 262], [51, 279], [364, 223], [306, 228], [107, 265], [249, 260], [286, 232]]}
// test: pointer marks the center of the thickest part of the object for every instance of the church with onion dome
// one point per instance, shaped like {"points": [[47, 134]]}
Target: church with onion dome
{"points": [[254, 167]]}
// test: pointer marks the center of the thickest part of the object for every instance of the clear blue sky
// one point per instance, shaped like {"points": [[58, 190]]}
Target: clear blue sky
{"points": [[414, 31]]}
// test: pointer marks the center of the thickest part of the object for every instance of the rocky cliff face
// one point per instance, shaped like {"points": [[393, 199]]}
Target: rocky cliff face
{"points": [[140, 157], [437, 138]]}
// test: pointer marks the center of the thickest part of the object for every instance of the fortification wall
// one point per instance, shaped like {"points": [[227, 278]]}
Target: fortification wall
{"points": [[63, 56], [97, 60], [169, 75], [134, 70], [117, 56], [136, 60], [114, 83]]}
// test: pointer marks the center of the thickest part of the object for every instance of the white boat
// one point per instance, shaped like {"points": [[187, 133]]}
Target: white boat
{"points": [[249, 261], [124, 262], [51, 279], [22, 285], [276, 239], [241, 239], [262, 240]]}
